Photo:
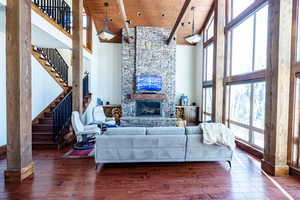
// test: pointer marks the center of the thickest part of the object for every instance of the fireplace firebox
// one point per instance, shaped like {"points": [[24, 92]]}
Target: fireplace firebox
{"points": [[148, 108]]}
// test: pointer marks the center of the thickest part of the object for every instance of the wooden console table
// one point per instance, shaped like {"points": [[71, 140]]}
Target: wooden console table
{"points": [[188, 113]]}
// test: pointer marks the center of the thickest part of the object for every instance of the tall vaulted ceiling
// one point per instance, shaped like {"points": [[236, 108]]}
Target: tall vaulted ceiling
{"points": [[160, 13]]}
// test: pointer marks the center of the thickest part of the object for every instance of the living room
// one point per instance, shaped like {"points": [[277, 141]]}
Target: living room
{"points": [[128, 99]]}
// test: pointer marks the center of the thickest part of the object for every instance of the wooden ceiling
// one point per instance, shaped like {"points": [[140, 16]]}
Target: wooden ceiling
{"points": [[151, 12]]}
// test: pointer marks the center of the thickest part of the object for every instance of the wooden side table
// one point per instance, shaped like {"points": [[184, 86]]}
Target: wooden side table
{"points": [[188, 113]]}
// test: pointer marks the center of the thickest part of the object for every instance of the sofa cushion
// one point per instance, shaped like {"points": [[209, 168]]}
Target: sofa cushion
{"points": [[126, 131], [166, 131], [191, 130]]}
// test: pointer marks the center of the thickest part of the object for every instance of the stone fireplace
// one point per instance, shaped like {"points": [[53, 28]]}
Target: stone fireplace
{"points": [[148, 55], [148, 108]]}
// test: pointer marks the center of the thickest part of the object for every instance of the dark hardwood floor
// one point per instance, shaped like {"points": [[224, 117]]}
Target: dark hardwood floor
{"points": [[58, 178]]}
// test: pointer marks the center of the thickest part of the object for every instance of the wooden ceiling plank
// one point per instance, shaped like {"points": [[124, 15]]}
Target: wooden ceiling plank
{"points": [[156, 13], [179, 19]]}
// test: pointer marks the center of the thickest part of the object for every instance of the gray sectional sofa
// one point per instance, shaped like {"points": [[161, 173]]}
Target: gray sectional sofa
{"points": [[158, 144]]}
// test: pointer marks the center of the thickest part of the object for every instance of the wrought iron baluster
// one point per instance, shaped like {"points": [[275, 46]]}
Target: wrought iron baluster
{"points": [[58, 10]]}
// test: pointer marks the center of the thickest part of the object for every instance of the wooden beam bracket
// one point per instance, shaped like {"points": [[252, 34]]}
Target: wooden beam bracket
{"points": [[125, 20]]}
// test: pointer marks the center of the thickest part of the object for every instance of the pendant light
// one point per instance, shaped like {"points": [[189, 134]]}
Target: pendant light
{"points": [[105, 34], [193, 38]]}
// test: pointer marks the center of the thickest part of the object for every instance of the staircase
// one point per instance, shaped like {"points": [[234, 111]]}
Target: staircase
{"points": [[45, 133], [53, 63], [51, 129]]}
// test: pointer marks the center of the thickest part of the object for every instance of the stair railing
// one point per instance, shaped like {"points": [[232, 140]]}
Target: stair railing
{"points": [[57, 62], [62, 115], [58, 10], [85, 88]]}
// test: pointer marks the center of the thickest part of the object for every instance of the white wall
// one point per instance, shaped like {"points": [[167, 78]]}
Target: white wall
{"points": [[185, 71], [110, 72], [92, 63], [44, 34], [2, 79], [44, 88]]}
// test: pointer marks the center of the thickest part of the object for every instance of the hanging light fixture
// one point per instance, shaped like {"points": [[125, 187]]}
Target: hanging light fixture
{"points": [[193, 38], [105, 34]]}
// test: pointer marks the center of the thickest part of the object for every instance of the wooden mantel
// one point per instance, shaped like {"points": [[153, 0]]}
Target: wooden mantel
{"points": [[147, 96]]}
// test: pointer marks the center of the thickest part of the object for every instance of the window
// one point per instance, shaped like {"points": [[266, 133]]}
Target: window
{"points": [[87, 31], [298, 33], [246, 112], [242, 57], [261, 37], [207, 103], [259, 104], [209, 30], [208, 58], [248, 50], [294, 134], [239, 6], [208, 62], [240, 103]]}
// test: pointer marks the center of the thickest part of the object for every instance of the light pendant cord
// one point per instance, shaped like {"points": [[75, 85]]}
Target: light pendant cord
{"points": [[193, 26]]}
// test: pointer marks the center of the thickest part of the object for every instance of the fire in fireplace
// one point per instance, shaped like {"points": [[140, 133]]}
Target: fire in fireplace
{"points": [[148, 108]]}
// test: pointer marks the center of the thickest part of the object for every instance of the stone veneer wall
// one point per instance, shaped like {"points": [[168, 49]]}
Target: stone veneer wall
{"points": [[148, 55]]}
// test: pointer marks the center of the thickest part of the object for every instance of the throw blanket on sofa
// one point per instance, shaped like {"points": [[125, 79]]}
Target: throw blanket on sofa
{"points": [[219, 134]]}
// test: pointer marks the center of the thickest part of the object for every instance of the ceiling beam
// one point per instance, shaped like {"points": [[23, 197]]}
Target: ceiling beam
{"points": [[207, 18], [124, 19], [179, 18]]}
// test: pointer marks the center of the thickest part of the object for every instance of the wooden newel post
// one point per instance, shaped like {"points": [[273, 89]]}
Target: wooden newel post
{"points": [[277, 87], [77, 56], [18, 79]]}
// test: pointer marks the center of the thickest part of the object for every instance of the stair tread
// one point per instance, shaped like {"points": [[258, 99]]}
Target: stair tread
{"points": [[43, 125], [42, 133], [45, 142]]}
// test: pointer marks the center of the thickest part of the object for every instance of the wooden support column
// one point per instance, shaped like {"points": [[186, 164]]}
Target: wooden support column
{"points": [[18, 80], [77, 55], [277, 87], [218, 63]]}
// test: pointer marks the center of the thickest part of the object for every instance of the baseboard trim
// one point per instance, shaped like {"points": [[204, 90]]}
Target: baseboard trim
{"points": [[282, 170], [19, 175], [3, 151], [249, 149]]}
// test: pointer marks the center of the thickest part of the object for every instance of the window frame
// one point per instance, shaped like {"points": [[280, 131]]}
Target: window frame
{"points": [[250, 127], [294, 134], [229, 40], [246, 78], [204, 112], [206, 43]]}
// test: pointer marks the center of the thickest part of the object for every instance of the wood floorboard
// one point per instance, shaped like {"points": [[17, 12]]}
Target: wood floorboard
{"points": [[57, 178]]}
